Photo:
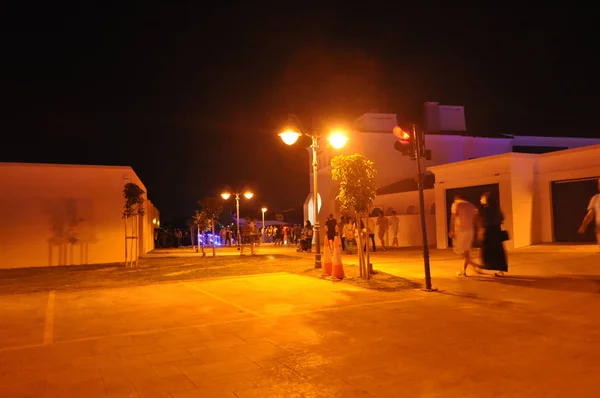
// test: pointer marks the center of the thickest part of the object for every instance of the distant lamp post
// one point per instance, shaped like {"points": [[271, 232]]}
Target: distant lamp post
{"points": [[264, 210], [248, 195], [337, 139]]}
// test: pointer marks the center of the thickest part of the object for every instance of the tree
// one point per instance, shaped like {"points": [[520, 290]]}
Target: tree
{"points": [[212, 207], [133, 209], [200, 220], [357, 191], [190, 224]]}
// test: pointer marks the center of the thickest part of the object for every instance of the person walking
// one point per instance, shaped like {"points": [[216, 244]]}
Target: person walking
{"points": [[348, 234], [394, 222], [462, 230], [493, 256], [593, 214], [382, 228], [331, 230], [246, 229]]}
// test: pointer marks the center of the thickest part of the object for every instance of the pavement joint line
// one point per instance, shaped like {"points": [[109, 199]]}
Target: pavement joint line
{"points": [[162, 330], [49, 322], [223, 300]]}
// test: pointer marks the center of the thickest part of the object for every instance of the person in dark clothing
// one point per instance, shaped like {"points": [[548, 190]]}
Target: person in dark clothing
{"points": [[493, 255], [331, 229]]}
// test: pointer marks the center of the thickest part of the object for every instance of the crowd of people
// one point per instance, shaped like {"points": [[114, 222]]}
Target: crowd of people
{"points": [[470, 225]]}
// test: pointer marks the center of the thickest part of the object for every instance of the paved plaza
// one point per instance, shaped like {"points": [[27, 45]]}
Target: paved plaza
{"points": [[269, 327]]}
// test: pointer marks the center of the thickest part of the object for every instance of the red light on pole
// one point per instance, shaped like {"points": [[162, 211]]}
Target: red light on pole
{"points": [[402, 135]]}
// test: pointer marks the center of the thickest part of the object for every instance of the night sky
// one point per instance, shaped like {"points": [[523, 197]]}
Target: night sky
{"points": [[192, 96]]}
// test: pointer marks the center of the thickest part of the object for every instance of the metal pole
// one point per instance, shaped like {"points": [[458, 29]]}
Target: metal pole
{"points": [[237, 221], [262, 231], [418, 142], [315, 164]]}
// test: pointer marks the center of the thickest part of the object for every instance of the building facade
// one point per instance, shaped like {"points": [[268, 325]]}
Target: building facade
{"points": [[544, 197], [396, 174], [54, 214]]}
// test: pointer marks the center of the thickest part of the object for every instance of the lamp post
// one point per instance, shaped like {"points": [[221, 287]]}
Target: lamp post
{"points": [[262, 238], [337, 140], [247, 195]]}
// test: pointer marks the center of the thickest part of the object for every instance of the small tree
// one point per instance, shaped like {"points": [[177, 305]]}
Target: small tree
{"points": [[201, 222], [212, 207], [357, 191], [190, 224], [133, 209]]}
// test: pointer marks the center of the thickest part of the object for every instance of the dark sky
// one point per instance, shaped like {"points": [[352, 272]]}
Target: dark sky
{"points": [[192, 96]]}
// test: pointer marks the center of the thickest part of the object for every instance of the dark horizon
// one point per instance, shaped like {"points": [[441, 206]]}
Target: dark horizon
{"points": [[191, 97]]}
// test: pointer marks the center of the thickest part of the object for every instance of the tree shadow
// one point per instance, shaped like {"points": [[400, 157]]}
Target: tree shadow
{"points": [[383, 282], [71, 227]]}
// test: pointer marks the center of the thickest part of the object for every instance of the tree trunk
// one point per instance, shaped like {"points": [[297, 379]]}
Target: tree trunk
{"points": [[361, 262], [214, 240], [137, 240], [125, 222], [132, 239], [369, 266], [202, 246]]}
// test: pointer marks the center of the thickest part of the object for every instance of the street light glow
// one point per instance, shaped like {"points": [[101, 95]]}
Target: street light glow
{"points": [[337, 140], [264, 209], [290, 137], [225, 195], [248, 195]]}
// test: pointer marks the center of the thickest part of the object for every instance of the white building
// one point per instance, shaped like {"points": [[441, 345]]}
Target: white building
{"points": [[450, 153], [62, 214]]}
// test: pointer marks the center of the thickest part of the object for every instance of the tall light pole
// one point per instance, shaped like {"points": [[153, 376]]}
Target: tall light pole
{"points": [[262, 231], [337, 140], [247, 195]]}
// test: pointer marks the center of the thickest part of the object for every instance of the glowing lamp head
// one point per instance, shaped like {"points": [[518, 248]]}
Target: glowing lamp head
{"points": [[225, 195], [290, 137], [248, 195], [264, 209], [338, 140], [154, 221]]}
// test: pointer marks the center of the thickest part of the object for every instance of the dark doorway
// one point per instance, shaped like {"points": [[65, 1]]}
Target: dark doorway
{"points": [[470, 194], [570, 200]]}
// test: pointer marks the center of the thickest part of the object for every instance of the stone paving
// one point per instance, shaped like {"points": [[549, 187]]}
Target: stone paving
{"points": [[534, 333]]}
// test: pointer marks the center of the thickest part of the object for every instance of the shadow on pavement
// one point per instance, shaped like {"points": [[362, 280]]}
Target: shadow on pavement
{"points": [[579, 283]]}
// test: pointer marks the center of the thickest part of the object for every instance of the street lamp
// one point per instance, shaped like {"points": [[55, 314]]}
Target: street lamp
{"points": [[248, 195], [264, 210], [337, 139]]}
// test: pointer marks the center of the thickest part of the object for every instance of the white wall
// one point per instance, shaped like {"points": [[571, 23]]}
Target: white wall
{"points": [[64, 215], [409, 231], [400, 201], [523, 186], [483, 171], [558, 166], [392, 166]]}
